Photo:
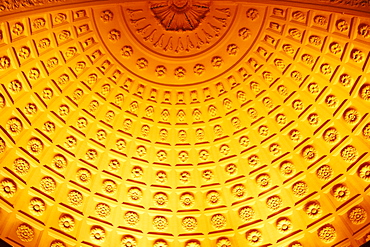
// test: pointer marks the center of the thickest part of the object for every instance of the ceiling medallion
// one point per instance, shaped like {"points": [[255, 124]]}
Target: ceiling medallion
{"points": [[178, 27], [177, 15]]}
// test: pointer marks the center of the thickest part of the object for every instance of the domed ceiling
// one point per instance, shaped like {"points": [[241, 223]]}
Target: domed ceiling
{"points": [[184, 123]]}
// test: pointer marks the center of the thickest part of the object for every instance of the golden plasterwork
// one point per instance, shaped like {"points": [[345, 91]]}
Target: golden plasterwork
{"points": [[184, 123]]}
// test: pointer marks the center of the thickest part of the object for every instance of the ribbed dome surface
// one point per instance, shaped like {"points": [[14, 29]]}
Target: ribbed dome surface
{"points": [[184, 123]]}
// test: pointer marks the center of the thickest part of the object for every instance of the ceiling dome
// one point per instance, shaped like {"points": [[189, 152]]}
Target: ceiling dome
{"points": [[184, 123]]}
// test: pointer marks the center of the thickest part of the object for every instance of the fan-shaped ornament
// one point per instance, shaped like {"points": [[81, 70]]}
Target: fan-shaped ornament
{"points": [[176, 15]]}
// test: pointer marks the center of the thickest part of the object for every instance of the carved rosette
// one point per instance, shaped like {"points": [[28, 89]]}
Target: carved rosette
{"points": [[176, 15]]}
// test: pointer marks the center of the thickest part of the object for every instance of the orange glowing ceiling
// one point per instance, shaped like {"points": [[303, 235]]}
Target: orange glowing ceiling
{"points": [[184, 123]]}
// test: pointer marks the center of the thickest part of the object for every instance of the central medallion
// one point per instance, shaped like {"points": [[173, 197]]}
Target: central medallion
{"points": [[177, 15]]}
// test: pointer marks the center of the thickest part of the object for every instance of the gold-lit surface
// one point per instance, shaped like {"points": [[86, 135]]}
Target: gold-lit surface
{"points": [[184, 123]]}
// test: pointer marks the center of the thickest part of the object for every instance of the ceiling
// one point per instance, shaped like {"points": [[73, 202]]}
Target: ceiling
{"points": [[184, 123]]}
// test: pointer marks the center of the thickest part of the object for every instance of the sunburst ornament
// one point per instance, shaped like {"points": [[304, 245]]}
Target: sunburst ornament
{"points": [[176, 15]]}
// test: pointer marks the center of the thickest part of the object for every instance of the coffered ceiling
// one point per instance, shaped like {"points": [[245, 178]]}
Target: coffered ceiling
{"points": [[184, 123]]}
